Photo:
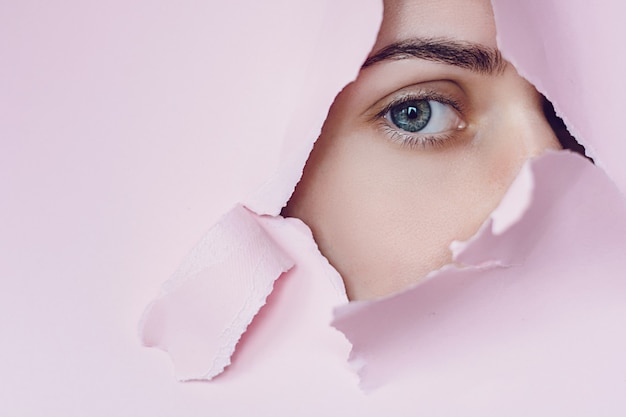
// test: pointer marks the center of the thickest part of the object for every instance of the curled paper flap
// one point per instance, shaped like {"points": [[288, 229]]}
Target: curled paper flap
{"points": [[211, 300], [537, 319]]}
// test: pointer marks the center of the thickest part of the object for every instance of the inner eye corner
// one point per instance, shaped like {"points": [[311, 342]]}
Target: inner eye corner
{"points": [[566, 139]]}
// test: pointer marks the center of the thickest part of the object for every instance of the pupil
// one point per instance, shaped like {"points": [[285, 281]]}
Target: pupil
{"points": [[412, 113]]}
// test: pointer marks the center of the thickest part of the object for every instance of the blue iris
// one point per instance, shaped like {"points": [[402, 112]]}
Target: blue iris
{"points": [[412, 115]]}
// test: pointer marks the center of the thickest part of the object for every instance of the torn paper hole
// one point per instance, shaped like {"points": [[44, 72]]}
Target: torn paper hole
{"points": [[215, 295], [447, 292]]}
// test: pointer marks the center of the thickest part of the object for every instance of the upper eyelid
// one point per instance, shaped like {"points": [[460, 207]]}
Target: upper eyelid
{"points": [[430, 95], [441, 89]]}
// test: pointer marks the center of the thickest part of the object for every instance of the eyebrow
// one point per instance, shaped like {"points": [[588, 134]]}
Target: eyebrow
{"points": [[466, 55]]}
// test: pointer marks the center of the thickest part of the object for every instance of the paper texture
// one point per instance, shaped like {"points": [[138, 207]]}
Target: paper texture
{"points": [[209, 303]]}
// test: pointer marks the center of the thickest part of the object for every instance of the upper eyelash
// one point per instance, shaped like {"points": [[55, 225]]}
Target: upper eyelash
{"points": [[426, 95]]}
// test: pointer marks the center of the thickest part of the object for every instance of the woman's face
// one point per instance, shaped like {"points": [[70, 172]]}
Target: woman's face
{"points": [[420, 148]]}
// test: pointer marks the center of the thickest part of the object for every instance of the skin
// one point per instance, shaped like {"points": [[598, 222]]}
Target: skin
{"points": [[383, 204]]}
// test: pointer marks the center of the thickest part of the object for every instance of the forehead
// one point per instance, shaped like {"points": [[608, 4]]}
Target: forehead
{"points": [[468, 20]]}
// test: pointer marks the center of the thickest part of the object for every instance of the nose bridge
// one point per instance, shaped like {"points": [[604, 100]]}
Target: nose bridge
{"points": [[533, 131]]}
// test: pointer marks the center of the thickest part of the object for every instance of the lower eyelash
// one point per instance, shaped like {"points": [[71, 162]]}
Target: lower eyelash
{"points": [[413, 142]]}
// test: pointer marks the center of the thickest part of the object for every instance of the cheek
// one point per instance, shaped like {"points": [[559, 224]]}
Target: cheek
{"points": [[429, 195], [389, 213]]}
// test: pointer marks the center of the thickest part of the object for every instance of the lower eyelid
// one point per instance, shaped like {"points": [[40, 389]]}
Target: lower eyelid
{"points": [[423, 141]]}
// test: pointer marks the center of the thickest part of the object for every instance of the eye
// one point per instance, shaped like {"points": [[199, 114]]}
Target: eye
{"points": [[424, 116]]}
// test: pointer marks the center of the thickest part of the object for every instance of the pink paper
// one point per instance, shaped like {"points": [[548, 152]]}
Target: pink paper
{"points": [[569, 51], [122, 142], [209, 303]]}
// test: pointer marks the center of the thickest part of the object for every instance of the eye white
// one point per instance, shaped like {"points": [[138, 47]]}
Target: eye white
{"points": [[443, 118]]}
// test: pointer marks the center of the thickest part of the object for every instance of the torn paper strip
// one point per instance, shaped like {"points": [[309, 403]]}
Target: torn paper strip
{"points": [[214, 296]]}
